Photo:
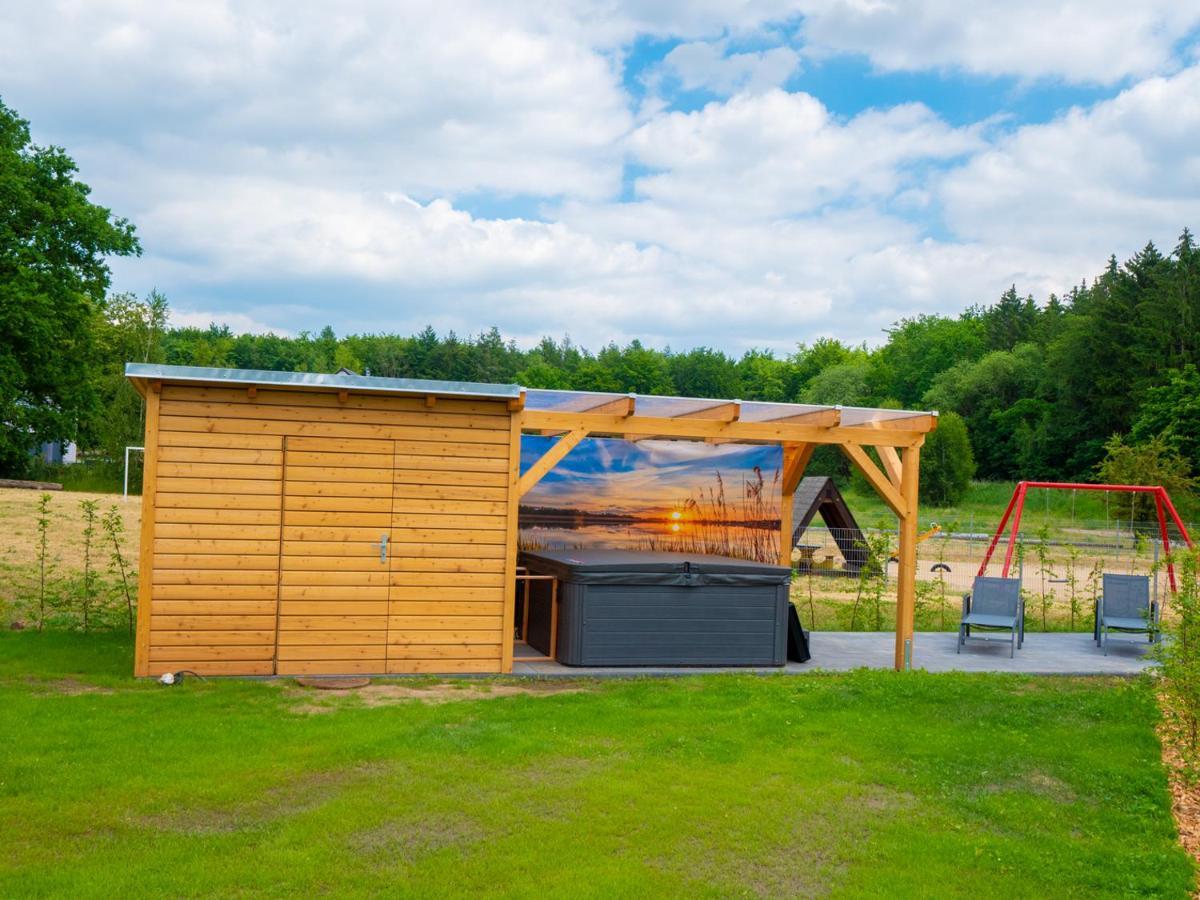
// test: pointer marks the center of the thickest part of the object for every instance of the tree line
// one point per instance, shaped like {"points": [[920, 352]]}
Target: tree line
{"points": [[1044, 390]]}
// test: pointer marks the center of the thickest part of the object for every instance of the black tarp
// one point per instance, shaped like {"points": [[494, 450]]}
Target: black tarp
{"points": [[651, 568]]}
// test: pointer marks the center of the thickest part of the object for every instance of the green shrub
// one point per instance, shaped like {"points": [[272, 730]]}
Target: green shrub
{"points": [[947, 462]]}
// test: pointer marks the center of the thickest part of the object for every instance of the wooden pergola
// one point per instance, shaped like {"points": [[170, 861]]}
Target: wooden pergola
{"points": [[896, 435]]}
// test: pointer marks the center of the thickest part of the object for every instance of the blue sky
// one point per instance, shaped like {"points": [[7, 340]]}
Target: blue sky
{"points": [[736, 175]]}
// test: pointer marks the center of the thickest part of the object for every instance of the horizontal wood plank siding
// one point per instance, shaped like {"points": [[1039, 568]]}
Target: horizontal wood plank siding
{"points": [[334, 616], [266, 553], [215, 548], [446, 606]]}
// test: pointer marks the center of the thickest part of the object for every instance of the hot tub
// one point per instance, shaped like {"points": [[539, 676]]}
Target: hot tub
{"points": [[619, 608]]}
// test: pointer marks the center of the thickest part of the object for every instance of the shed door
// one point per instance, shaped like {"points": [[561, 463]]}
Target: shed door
{"points": [[333, 590], [448, 569]]}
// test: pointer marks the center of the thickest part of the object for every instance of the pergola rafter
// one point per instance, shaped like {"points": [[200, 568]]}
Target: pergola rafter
{"points": [[896, 435]]}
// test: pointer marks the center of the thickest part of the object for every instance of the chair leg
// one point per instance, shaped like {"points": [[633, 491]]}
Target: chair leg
{"points": [[1012, 644], [958, 647], [1104, 640]]}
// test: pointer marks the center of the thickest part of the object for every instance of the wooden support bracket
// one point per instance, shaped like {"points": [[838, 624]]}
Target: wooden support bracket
{"points": [[251, 392], [880, 482], [891, 464], [550, 459], [795, 460], [430, 401]]}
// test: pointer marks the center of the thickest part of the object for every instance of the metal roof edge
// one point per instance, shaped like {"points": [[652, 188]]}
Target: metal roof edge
{"points": [[319, 381]]}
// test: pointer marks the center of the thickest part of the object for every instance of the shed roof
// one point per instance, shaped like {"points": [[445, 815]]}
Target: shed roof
{"points": [[550, 408], [141, 373]]}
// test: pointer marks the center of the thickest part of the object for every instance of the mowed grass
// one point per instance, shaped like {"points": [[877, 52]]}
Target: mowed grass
{"points": [[865, 784]]}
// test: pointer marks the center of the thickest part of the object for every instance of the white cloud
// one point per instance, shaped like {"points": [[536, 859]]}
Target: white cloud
{"points": [[701, 64], [1125, 169], [1093, 41], [238, 322], [290, 165], [463, 97], [781, 154]]}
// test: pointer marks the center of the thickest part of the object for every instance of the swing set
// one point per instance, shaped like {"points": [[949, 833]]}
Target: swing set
{"points": [[1162, 504]]}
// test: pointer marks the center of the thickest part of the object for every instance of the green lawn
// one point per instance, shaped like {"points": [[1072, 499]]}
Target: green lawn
{"points": [[867, 784]]}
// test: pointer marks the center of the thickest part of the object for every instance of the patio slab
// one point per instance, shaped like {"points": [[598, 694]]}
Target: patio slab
{"points": [[839, 651]]}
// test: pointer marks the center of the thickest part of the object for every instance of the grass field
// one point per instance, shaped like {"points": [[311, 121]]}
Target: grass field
{"points": [[866, 784]]}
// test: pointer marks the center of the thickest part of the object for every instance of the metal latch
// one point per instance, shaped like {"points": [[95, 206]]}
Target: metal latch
{"points": [[383, 541]]}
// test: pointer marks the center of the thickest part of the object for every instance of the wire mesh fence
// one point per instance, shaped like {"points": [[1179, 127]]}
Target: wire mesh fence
{"points": [[846, 579]]}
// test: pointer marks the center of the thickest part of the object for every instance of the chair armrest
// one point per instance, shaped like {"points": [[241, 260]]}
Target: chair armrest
{"points": [[966, 604], [1154, 612]]}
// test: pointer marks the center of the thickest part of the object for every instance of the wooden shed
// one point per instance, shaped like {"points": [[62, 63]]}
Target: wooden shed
{"points": [[298, 523]]}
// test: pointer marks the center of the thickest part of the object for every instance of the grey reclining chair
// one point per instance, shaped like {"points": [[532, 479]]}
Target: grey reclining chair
{"points": [[994, 604], [1124, 606]]}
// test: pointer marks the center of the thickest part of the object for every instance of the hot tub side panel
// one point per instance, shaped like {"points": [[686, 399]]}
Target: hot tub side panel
{"points": [[640, 625]]}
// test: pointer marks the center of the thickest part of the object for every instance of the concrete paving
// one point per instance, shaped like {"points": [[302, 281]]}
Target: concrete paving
{"points": [[839, 651]]}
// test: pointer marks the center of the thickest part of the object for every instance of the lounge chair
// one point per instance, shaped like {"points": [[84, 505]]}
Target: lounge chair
{"points": [[1124, 606], [994, 604]]}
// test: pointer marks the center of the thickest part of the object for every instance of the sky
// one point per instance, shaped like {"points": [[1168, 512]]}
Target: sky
{"points": [[686, 172]]}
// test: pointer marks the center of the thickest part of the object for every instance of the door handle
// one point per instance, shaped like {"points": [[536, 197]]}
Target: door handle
{"points": [[383, 542]]}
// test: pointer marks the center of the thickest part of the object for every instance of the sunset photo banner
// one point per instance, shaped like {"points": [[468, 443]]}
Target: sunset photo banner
{"points": [[685, 496]]}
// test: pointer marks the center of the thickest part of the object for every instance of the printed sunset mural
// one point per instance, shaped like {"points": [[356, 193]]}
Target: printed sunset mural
{"points": [[655, 495]]}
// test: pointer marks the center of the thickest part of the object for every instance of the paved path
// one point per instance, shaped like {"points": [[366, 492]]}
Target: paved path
{"points": [[1043, 654]]}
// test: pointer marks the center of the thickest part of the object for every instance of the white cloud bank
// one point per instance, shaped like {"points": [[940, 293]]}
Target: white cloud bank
{"points": [[291, 165]]}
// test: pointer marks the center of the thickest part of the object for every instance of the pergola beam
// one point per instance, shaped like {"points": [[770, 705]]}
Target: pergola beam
{"points": [[922, 422], [621, 406], [729, 411], [550, 459], [819, 418], [702, 429]]}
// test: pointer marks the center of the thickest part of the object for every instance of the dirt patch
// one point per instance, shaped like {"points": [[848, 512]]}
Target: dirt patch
{"points": [[1185, 804], [807, 860], [1185, 795], [306, 792], [1037, 782], [68, 686], [406, 840], [389, 694]]}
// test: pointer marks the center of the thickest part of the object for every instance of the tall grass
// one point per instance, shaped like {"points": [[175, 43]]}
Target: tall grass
{"points": [[717, 524]]}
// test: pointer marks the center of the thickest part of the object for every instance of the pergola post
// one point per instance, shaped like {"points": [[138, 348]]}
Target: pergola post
{"points": [[795, 461], [906, 590]]}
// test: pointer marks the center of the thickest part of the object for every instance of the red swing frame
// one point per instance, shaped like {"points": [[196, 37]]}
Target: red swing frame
{"points": [[1162, 504]]}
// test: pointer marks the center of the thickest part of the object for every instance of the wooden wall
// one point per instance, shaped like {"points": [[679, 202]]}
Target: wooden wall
{"points": [[266, 515]]}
